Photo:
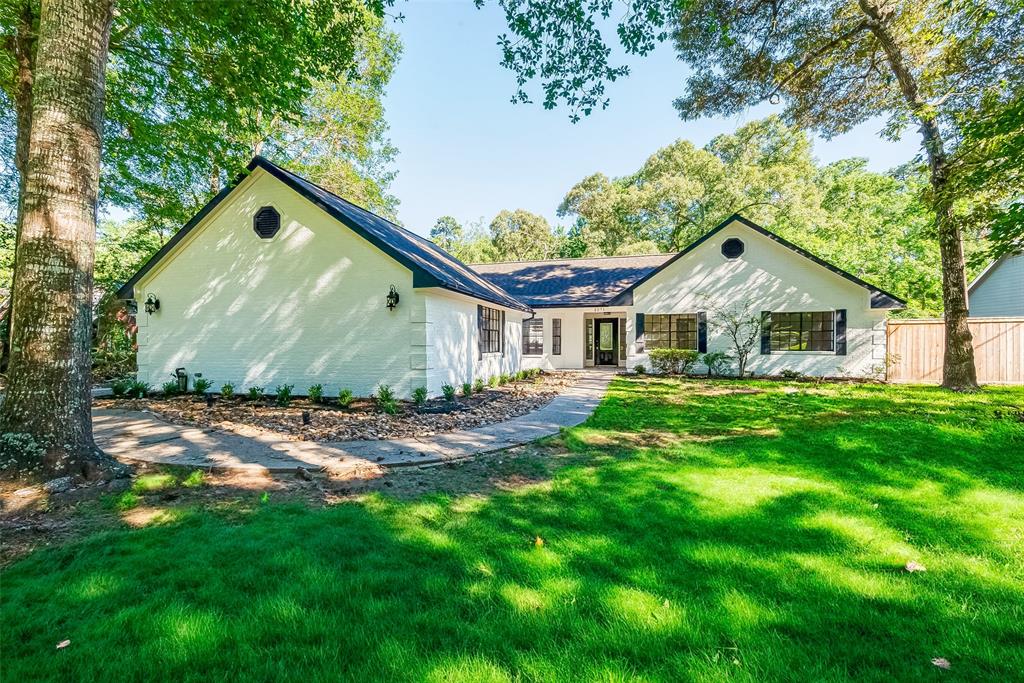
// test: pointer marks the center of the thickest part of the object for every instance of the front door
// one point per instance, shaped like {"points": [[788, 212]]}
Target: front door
{"points": [[606, 341]]}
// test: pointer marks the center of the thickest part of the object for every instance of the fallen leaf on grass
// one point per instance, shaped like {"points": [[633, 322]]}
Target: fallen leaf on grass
{"points": [[538, 542], [912, 567], [941, 662], [63, 644]]}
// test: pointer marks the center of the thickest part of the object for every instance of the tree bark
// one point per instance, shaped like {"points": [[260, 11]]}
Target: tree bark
{"points": [[958, 369], [48, 394]]}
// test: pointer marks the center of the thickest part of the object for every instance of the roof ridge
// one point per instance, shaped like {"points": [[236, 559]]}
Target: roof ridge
{"points": [[573, 258]]}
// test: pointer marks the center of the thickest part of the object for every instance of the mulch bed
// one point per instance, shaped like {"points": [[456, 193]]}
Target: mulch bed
{"points": [[360, 420]]}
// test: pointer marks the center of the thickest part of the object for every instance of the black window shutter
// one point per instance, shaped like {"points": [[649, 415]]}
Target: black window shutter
{"points": [[479, 332], [502, 332], [639, 332], [766, 332], [702, 332], [841, 332]]}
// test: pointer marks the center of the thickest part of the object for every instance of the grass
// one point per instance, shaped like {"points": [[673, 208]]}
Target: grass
{"points": [[698, 533]]}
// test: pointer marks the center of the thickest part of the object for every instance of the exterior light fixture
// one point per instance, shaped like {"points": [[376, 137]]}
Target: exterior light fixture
{"points": [[392, 299], [152, 304]]}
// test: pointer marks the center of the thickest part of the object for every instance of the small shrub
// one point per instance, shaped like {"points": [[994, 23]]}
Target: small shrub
{"points": [[316, 393], [715, 362], [673, 361], [255, 393], [449, 392], [194, 479], [492, 381], [791, 374], [503, 379], [478, 385], [283, 395], [639, 368], [228, 390], [201, 385], [150, 483], [123, 501], [139, 389], [467, 389], [419, 395], [120, 387], [170, 388], [345, 398], [385, 398]]}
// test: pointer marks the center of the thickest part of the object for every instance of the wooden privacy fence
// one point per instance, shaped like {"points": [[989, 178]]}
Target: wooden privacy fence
{"points": [[915, 349]]}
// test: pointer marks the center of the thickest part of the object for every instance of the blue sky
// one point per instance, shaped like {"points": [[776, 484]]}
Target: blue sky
{"points": [[465, 150]]}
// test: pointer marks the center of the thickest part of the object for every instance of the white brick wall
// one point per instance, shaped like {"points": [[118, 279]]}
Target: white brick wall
{"points": [[306, 307], [776, 279], [452, 341]]}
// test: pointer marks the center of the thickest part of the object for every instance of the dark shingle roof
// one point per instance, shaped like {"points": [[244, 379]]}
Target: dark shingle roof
{"points": [[431, 266], [570, 282]]}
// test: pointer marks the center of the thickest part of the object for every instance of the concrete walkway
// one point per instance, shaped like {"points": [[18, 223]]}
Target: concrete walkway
{"points": [[140, 436]]}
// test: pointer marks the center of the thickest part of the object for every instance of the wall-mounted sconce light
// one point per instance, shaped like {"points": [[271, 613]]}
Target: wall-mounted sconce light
{"points": [[392, 299], [152, 304]]}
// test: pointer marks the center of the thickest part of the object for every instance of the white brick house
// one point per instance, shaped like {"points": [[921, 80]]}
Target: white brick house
{"points": [[278, 281]]}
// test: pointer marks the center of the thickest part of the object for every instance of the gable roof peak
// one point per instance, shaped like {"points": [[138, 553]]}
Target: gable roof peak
{"points": [[431, 265], [879, 297]]}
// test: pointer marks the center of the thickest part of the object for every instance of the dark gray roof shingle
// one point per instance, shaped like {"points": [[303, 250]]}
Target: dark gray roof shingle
{"points": [[570, 282]]}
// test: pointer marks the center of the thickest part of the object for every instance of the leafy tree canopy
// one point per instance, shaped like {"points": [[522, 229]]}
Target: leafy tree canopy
{"points": [[447, 232], [195, 89], [520, 235]]}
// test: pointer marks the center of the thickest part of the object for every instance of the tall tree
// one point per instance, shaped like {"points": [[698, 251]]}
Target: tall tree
{"points": [[447, 233], [836, 63], [181, 72], [520, 235], [48, 395]]}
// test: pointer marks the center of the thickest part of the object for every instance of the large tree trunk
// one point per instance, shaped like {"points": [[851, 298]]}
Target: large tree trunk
{"points": [[48, 395], [958, 370]]}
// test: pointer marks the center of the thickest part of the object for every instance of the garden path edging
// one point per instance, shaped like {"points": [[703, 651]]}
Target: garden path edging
{"points": [[141, 436]]}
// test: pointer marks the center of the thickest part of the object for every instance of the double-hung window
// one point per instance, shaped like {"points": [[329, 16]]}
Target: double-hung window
{"points": [[489, 320], [533, 337]]}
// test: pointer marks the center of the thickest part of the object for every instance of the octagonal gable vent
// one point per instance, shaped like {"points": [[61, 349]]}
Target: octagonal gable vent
{"points": [[732, 248], [266, 222]]}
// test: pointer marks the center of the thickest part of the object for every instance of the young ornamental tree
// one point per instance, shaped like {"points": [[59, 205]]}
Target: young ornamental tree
{"points": [[741, 325], [832, 63]]}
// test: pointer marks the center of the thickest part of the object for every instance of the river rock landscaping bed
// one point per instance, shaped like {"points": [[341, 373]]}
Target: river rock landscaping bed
{"points": [[362, 419]]}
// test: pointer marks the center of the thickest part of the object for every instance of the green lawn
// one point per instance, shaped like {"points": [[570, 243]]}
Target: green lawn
{"points": [[696, 533]]}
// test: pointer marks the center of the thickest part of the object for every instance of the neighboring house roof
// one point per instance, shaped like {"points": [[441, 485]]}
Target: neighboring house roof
{"points": [[570, 282], [879, 297], [431, 266]]}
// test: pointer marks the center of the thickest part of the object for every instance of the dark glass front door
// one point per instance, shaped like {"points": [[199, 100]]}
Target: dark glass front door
{"points": [[606, 341]]}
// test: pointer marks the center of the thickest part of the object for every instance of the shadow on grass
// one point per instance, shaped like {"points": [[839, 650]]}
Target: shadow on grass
{"points": [[755, 555]]}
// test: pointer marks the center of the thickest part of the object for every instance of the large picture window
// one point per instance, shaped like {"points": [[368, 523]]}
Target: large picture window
{"points": [[533, 337], [556, 336], [676, 331], [490, 329], [805, 331]]}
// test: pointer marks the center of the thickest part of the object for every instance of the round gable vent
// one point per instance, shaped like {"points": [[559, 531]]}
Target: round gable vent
{"points": [[266, 222], [732, 248]]}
